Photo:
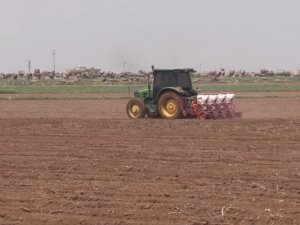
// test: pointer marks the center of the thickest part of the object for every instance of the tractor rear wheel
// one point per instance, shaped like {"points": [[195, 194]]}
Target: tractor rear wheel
{"points": [[169, 106], [136, 108]]}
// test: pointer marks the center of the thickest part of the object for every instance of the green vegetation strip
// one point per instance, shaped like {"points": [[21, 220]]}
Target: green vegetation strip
{"points": [[62, 98], [81, 89], [257, 80], [250, 88], [66, 89]]}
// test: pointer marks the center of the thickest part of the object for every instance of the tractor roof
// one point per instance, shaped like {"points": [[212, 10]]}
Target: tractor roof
{"points": [[185, 70]]}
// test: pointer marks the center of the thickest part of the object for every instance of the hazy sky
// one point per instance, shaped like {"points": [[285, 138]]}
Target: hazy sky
{"points": [[233, 34]]}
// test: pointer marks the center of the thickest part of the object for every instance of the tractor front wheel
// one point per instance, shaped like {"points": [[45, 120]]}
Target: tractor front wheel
{"points": [[136, 108], [169, 106]]}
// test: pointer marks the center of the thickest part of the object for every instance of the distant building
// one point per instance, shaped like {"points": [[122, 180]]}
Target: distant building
{"points": [[78, 68]]}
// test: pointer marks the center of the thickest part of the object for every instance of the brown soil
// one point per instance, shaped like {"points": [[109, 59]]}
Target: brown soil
{"points": [[84, 162], [252, 108]]}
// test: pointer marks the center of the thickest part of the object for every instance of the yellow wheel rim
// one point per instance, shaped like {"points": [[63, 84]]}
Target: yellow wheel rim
{"points": [[134, 111], [170, 108]]}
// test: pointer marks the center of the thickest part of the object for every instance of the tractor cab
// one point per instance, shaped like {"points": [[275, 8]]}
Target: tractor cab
{"points": [[178, 80]]}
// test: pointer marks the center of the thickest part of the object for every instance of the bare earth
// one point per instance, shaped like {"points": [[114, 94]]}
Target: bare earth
{"points": [[84, 162]]}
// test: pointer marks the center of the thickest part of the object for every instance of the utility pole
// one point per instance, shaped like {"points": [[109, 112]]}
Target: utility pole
{"points": [[124, 67], [53, 57], [29, 66]]}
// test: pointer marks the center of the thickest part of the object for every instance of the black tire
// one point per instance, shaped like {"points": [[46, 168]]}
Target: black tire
{"points": [[169, 106], [135, 108], [152, 115]]}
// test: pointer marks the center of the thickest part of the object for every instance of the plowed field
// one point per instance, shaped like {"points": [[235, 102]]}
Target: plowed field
{"points": [[84, 162]]}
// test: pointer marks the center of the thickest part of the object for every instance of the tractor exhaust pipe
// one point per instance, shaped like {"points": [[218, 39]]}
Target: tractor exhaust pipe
{"points": [[149, 85]]}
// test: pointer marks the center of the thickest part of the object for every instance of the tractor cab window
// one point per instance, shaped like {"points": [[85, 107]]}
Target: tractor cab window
{"points": [[184, 80], [171, 79]]}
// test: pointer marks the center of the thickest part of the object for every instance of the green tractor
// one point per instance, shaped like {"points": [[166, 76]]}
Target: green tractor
{"points": [[164, 98], [172, 96]]}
